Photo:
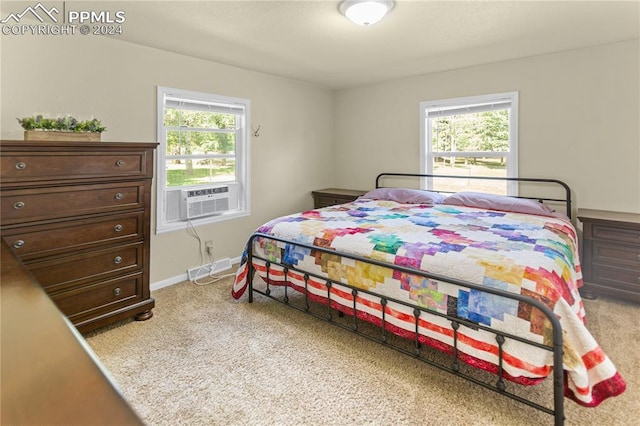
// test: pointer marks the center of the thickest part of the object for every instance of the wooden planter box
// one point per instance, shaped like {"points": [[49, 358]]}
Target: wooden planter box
{"points": [[39, 135]]}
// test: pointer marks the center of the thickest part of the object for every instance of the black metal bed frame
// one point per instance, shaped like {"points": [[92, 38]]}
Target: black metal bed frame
{"points": [[454, 367], [567, 191]]}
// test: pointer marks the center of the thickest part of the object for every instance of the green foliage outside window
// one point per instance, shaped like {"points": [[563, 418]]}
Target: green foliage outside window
{"points": [[474, 132], [199, 172], [199, 133], [486, 131], [191, 137]]}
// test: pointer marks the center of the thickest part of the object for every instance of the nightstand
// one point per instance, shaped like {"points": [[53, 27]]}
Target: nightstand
{"points": [[610, 254], [332, 196]]}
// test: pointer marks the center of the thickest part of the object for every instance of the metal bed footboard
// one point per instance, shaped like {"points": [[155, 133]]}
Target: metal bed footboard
{"points": [[500, 386]]}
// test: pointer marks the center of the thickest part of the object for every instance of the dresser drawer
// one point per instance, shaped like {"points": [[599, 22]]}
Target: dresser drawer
{"points": [[28, 166], [329, 201], [608, 232], [29, 242], [332, 196], [622, 255], [624, 279], [104, 296], [58, 273], [19, 206]]}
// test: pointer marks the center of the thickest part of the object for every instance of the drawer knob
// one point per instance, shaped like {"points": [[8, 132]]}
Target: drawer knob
{"points": [[21, 166], [117, 291], [117, 228], [18, 205], [119, 196], [18, 244], [117, 259], [120, 163]]}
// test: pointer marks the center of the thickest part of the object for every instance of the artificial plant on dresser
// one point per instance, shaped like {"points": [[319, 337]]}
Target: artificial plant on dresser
{"points": [[77, 214]]}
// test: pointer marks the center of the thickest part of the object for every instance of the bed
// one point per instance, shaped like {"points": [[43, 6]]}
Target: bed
{"points": [[491, 281]]}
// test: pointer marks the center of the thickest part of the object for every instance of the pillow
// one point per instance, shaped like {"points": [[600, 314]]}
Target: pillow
{"points": [[405, 196], [498, 202]]}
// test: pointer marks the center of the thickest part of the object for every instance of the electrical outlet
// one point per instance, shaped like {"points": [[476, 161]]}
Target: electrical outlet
{"points": [[208, 246]]}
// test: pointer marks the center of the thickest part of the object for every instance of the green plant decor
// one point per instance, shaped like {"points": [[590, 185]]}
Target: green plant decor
{"points": [[66, 124]]}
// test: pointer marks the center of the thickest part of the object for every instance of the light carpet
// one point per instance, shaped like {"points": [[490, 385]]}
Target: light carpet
{"points": [[207, 359]]}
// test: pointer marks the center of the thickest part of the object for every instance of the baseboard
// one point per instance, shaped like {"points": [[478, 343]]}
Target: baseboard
{"points": [[184, 277], [168, 282]]}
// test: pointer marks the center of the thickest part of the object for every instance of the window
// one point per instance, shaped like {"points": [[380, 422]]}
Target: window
{"points": [[473, 136], [203, 158]]}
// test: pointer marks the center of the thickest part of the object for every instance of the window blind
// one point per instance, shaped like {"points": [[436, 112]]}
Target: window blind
{"points": [[206, 106], [444, 111]]}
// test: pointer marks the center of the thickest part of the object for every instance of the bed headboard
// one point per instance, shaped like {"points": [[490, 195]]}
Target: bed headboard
{"points": [[558, 184]]}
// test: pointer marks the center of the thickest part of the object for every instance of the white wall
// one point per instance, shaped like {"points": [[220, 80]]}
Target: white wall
{"points": [[116, 82], [579, 121]]}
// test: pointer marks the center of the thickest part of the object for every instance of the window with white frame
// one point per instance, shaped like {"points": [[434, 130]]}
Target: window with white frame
{"points": [[203, 158], [471, 136]]}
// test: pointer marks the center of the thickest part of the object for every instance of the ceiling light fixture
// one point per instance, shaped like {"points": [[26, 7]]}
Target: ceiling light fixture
{"points": [[365, 12]]}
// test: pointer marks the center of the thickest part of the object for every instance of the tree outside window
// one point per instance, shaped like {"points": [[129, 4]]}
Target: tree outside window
{"points": [[200, 147], [470, 137]]}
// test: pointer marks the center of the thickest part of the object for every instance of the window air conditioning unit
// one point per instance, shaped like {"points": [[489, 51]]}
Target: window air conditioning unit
{"points": [[204, 202]]}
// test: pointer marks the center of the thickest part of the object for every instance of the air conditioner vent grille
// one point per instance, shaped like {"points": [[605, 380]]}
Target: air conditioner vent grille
{"points": [[204, 202]]}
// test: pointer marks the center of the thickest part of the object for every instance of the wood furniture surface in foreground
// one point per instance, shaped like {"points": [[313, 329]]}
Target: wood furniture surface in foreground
{"points": [[77, 214], [332, 196], [611, 254], [49, 374]]}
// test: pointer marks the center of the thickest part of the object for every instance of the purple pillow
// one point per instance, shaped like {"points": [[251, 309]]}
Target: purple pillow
{"points": [[498, 202], [405, 196]]}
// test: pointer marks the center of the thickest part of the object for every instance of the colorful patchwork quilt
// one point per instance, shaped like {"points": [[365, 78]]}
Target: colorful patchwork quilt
{"points": [[536, 256]]}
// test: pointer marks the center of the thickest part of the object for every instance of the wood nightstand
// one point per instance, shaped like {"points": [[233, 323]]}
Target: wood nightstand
{"points": [[610, 254], [333, 196]]}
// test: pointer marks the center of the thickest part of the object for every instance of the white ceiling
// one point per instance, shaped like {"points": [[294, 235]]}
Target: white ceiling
{"points": [[310, 41]]}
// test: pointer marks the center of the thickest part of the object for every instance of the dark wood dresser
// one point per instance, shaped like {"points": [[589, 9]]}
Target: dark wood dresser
{"points": [[610, 254], [77, 215], [332, 196]]}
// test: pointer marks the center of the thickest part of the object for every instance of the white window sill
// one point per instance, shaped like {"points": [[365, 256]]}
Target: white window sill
{"points": [[183, 224]]}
